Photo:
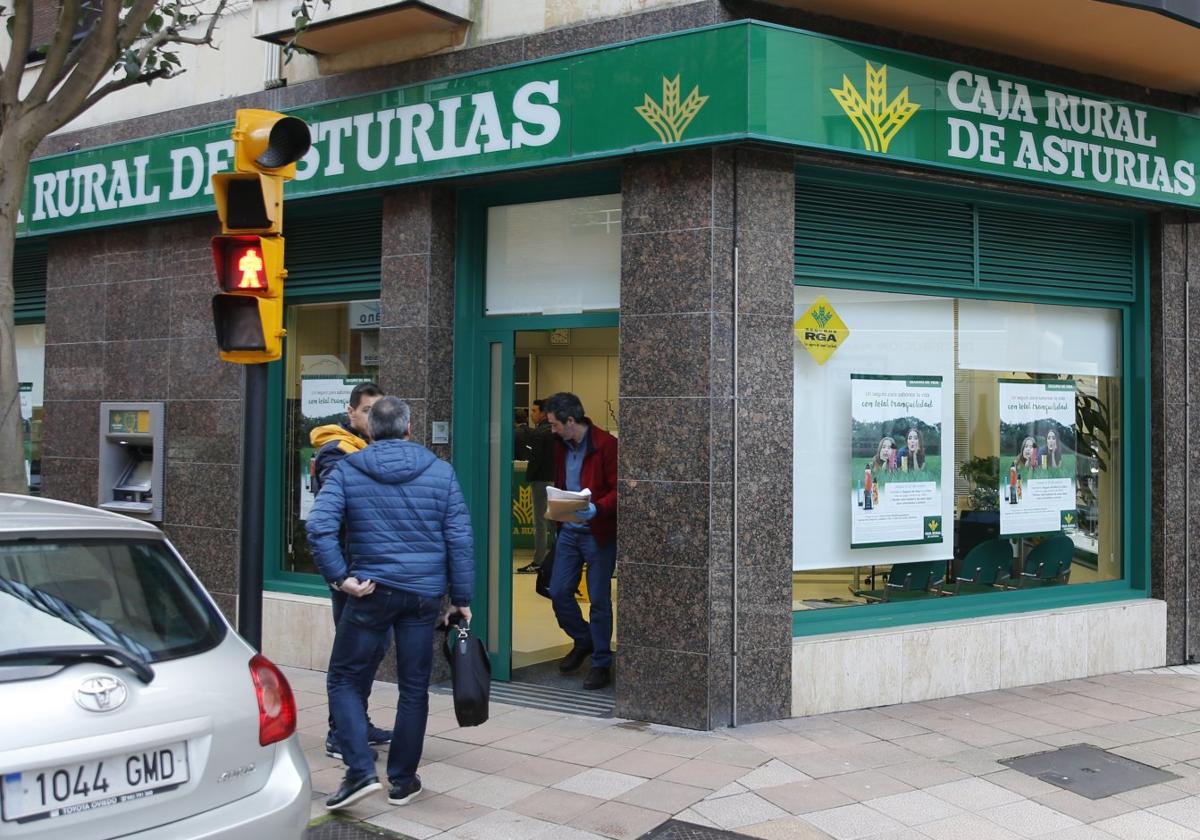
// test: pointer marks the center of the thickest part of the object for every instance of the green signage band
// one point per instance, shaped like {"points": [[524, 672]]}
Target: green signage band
{"points": [[744, 80]]}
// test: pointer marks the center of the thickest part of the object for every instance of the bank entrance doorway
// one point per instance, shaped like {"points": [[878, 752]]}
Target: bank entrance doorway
{"points": [[521, 366]]}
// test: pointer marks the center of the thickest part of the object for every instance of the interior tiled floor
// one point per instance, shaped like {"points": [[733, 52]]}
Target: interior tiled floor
{"points": [[907, 772]]}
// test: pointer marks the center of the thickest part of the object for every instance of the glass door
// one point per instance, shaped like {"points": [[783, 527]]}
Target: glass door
{"points": [[497, 535]]}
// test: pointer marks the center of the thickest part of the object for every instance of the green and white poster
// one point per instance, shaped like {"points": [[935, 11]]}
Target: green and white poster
{"points": [[25, 389], [896, 460], [323, 401], [1037, 456]]}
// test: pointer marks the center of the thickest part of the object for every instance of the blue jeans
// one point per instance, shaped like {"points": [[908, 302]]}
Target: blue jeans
{"points": [[338, 602], [362, 630], [571, 551]]}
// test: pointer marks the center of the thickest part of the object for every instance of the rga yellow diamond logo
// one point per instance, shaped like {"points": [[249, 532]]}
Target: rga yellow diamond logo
{"points": [[672, 118], [877, 120], [820, 330]]}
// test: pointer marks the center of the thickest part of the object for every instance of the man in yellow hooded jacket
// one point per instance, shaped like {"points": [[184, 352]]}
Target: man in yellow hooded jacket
{"points": [[333, 442]]}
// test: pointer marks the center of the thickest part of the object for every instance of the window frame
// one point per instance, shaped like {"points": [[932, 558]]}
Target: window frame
{"points": [[1135, 390]]}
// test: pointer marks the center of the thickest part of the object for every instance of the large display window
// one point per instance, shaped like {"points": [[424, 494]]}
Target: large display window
{"points": [[331, 347], [952, 447], [31, 375]]}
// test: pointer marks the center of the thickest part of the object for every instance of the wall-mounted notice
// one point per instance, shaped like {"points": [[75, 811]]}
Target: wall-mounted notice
{"points": [[896, 460], [1037, 456]]}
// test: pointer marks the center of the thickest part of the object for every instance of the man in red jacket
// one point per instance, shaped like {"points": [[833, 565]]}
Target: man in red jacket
{"points": [[585, 459]]}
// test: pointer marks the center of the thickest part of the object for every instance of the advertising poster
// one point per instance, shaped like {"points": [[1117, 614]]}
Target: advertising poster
{"points": [[1037, 456], [25, 389], [896, 460], [323, 401]]}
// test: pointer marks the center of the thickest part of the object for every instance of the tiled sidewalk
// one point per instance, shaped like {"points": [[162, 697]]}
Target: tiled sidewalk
{"points": [[908, 772]]}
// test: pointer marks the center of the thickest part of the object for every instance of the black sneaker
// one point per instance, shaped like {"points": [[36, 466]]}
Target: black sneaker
{"points": [[351, 791], [597, 678], [571, 662], [402, 794], [334, 751], [529, 570], [378, 737]]}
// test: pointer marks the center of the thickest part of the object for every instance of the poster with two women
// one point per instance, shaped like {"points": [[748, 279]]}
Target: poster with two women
{"points": [[1037, 456], [896, 460]]}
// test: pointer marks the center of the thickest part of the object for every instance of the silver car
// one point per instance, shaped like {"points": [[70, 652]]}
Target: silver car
{"points": [[128, 705]]}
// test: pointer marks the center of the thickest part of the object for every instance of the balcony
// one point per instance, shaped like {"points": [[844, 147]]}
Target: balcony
{"points": [[1152, 43], [349, 25]]}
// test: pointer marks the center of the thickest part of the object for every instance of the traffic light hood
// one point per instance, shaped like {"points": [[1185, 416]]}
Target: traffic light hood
{"points": [[269, 142]]}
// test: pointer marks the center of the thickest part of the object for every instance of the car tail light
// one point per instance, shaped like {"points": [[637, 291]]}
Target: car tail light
{"points": [[276, 705]]}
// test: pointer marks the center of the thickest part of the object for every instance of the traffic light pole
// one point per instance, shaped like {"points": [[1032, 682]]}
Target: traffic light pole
{"points": [[250, 569]]}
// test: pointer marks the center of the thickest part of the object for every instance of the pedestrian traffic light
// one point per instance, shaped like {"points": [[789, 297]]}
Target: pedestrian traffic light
{"points": [[248, 256]]}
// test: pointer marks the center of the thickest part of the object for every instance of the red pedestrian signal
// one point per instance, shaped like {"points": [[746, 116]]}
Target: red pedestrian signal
{"points": [[248, 313]]}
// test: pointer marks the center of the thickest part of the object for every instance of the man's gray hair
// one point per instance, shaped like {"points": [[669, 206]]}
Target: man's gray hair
{"points": [[389, 419]]}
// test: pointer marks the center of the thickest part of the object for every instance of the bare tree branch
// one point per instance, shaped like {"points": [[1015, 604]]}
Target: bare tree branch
{"points": [[51, 72], [21, 37], [98, 53], [170, 35]]}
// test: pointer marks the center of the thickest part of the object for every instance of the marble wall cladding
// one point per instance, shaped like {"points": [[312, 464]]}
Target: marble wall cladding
{"points": [[202, 494], [667, 272], [71, 428], [677, 411], [663, 685], [663, 522], [71, 479], [1174, 375], [212, 553], [137, 369], [663, 439], [64, 305], [679, 346], [912, 664], [417, 293], [128, 320], [287, 631], [831, 674]]}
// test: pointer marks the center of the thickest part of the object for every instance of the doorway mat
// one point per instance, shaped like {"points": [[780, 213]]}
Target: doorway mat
{"points": [[547, 674], [546, 698], [1088, 771], [331, 828], [680, 830]]}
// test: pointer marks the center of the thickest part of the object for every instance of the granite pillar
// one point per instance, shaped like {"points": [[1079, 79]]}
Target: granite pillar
{"points": [[1175, 427], [683, 216], [416, 336]]}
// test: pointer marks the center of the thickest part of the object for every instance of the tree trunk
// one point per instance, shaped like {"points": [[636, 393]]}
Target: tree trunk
{"points": [[14, 168]]}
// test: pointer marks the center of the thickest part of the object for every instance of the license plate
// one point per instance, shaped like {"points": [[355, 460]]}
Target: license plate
{"points": [[87, 785]]}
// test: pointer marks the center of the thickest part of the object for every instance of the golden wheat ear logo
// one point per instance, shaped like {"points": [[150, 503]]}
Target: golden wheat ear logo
{"points": [[670, 119], [877, 120], [523, 506]]}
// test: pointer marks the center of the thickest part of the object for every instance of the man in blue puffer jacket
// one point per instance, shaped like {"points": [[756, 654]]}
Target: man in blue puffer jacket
{"points": [[409, 531]]}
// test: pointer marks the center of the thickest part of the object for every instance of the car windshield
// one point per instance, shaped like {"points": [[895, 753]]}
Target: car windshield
{"points": [[133, 595]]}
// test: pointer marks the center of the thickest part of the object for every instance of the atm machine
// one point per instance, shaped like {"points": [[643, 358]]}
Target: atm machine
{"points": [[131, 459]]}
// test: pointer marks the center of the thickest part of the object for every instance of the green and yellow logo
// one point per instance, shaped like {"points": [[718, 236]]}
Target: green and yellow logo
{"points": [[522, 512], [877, 120], [670, 119], [1067, 520], [933, 529], [821, 330]]}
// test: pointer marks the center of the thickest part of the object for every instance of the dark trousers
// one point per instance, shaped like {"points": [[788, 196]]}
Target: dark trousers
{"points": [[572, 550], [543, 531], [339, 604], [363, 629]]}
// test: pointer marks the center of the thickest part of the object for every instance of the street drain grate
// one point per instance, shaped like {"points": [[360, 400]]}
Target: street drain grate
{"points": [[334, 829], [679, 830], [1088, 771]]}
